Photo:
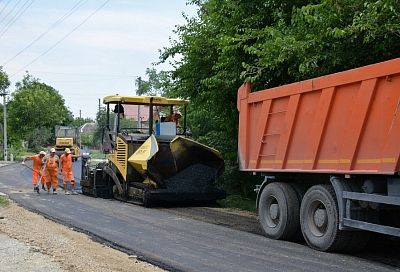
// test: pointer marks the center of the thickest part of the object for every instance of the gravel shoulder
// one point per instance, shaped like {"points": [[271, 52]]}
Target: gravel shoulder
{"points": [[19, 256], [30, 242]]}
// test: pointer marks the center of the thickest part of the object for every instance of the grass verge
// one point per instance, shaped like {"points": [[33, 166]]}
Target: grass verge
{"points": [[238, 202], [4, 201]]}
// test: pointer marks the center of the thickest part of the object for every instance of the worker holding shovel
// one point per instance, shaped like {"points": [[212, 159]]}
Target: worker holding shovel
{"points": [[51, 165], [36, 168]]}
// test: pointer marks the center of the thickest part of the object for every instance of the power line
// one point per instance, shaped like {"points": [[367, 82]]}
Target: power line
{"points": [[87, 80], [63, 38], [80, 74], [10, 11], [17, 15], [59, 21], [5, 6]]}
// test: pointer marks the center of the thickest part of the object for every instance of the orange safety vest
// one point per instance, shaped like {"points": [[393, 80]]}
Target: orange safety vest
{"points": [[66, 162], [51, 164], [37, 163]]}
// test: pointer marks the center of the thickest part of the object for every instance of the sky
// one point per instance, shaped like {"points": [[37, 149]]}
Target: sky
{"points": [[86, 49]]}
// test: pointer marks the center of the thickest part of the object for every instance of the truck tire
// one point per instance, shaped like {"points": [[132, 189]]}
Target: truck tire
{"points": [[278, 211], [319, 220], [300, 190]]}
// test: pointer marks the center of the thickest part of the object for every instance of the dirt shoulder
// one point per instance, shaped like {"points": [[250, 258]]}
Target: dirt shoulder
{"points": [[60, 247], [19, 256]]}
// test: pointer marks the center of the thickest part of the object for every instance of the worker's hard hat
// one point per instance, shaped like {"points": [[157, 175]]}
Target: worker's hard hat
{"points": [[42, 153], [67, 151], [52, 150]]}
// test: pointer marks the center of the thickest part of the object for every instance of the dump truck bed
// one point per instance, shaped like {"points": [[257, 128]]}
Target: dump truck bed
{"points": [[348, 122]]}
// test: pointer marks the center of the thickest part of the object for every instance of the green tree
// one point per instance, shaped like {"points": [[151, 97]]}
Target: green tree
{"points": [[87, 140], [158, 83], [101, 120], [79, 121], [269, 43], [4, 84], [4, 81], [34, 110], [321, 38]]}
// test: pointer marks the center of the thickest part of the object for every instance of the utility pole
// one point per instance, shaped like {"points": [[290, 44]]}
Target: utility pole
{"points": [[4, 93], [80, 114]]}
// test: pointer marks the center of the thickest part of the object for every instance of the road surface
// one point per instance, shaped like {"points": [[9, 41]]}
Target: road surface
{"points": [[172, 241]]}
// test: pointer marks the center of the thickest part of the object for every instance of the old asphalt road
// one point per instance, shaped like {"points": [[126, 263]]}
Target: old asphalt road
{"points": [[170, 241]]}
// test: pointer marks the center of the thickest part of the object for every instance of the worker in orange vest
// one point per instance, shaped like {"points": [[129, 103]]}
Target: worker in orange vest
{"points": [[36, 168], [51, 165], [66, 170]]}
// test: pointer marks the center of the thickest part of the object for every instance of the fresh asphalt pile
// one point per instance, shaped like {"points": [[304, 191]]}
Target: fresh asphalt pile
{"points": [[197, 178]]}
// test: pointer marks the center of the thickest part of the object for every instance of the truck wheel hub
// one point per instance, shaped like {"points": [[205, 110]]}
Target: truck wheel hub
{"points": [[274, 211], [320, 218]]}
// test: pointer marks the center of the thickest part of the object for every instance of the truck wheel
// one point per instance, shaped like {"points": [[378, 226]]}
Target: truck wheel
{"points": [[279, 211], [319, 220], [300, 190]]}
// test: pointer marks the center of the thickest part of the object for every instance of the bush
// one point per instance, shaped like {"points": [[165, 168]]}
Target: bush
{"points": [[236, 182], [238, 202], [17, 151], [4, 201]]}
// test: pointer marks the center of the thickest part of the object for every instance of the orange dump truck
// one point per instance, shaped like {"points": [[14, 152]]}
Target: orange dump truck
{"points": [[329, 149]]}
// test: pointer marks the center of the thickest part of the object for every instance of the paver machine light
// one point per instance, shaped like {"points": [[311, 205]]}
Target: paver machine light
{"points": [[150, 160]]}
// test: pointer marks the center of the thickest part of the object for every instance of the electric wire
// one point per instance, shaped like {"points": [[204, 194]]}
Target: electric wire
{"points": [[5, 6], [63, 38], [17, 15], [80, 74], [59, 21], [10, 12]]}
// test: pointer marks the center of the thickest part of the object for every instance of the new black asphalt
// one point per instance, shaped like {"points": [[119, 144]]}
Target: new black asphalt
{"points": [[171, 241]]}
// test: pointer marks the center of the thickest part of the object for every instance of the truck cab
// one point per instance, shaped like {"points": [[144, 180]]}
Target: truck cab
{"points": [[67, 137]]}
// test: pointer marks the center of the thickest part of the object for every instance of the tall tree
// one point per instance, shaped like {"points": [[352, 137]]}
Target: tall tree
{"points": [[321, 38], [4, 84], [101, 120], [270, 43], [34, 110], [4, 81], [79, 121], [158, 83]]}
